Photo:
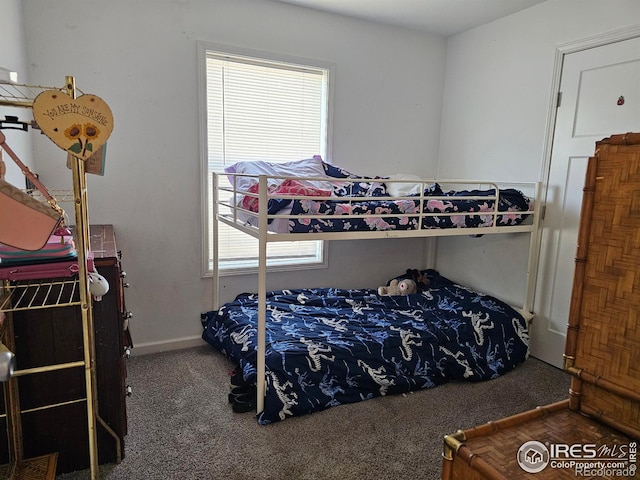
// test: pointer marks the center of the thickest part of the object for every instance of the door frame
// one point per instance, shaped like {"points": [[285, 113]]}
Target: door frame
{"points": [[563, 49]]}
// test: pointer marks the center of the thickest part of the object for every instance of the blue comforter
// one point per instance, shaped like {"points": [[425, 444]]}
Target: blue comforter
{"points": [[326, 347], [468, 213]]}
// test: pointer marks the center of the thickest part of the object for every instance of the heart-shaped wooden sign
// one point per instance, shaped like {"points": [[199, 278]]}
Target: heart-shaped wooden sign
{"points": [[78, 125]]}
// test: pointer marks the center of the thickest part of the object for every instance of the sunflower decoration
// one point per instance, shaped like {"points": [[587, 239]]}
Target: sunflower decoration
{"points": [[73, 132], [80, 126], [86, 132]]}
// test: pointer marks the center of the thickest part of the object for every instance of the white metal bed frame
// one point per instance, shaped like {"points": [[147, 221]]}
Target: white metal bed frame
{"points": [[258, 227]]}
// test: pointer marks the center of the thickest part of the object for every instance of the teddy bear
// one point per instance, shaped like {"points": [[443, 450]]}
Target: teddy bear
{"points": [[402, 287]]}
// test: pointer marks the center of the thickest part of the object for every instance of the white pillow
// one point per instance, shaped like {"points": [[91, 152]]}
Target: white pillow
{"points": [[299, 169], [402, 189]]}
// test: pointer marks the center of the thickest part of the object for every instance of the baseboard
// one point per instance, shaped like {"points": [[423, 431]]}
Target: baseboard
{"points": [[166, 345]]}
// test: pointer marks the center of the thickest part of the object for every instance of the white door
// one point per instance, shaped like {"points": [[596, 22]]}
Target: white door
{"points": [[600, 96]]}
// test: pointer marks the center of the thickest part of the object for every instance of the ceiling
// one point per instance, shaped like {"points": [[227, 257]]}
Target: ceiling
{"points": [[441, 17]]}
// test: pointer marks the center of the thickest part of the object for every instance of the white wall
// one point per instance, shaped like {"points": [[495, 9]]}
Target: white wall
{"points": [[140, 57], [13, 56], [495, 112]]}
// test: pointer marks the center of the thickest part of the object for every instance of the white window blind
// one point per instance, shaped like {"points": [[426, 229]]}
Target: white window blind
{"points": [[259, 109]]}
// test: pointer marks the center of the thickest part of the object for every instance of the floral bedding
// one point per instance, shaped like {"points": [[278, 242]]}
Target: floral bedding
{"points": [[478, 213], [328, 346], [445, 209]]}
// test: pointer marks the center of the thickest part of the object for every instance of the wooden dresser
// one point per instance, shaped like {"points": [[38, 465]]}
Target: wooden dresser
{"points": [[595, 432], [53, 335]]}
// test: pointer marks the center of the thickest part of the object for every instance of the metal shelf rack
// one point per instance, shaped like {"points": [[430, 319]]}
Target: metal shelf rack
{"points": [[30, 295]]}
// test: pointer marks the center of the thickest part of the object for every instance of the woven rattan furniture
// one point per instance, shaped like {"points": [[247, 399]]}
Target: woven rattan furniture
{"points": [[595, 432]]}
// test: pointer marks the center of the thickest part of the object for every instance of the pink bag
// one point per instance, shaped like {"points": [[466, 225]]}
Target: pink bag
{"points": [[25, 222]]}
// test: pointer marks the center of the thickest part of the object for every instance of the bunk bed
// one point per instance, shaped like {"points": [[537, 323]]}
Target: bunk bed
{"points": [[309, 349]]}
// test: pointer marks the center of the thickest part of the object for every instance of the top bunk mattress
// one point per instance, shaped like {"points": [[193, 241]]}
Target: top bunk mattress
{"points": [[311, 196]]}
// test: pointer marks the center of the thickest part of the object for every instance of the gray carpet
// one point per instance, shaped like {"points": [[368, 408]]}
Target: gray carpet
{"points": [[182, 427]]}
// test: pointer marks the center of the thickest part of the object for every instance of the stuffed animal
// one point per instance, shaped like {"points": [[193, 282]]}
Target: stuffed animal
{"points": [[420, 278], [98, 285], [402, 287]]}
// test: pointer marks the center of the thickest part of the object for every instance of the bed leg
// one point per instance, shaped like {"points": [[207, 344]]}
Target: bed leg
{"points": [[262, 295]]}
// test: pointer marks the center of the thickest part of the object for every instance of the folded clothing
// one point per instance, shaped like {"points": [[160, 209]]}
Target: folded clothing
{"points": [[58, 268], [57, 248]]}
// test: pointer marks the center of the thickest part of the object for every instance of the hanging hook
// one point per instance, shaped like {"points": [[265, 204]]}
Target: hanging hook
{"points": [[12, 123]]}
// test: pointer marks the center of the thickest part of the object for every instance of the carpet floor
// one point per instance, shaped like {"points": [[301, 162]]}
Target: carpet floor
{"points": [[181, 425]]}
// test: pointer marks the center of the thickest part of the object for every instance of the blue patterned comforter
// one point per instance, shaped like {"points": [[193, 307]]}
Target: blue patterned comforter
{"points": [[451, 210], [447, 209], [326, 347], [360, 203]]}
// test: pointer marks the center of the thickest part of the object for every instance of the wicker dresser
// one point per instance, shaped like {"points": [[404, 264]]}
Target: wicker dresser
{"points": [[595, 432]]}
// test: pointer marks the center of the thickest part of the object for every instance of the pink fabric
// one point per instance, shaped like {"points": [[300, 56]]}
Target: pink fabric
{"points": [[286, 188]]}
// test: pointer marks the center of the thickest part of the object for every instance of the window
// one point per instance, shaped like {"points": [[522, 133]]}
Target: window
{"points": [[259, 107]]}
